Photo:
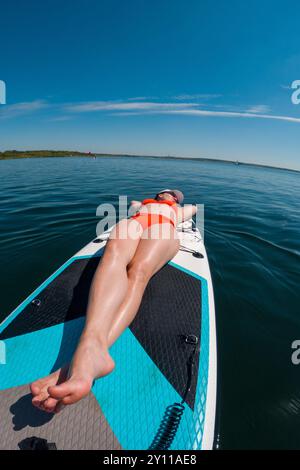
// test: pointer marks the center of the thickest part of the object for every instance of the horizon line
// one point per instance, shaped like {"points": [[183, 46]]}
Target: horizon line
{"points": [[90, 154]]}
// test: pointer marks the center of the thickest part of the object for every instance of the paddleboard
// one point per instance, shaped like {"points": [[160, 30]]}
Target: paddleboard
{"points": [[162, 393]]}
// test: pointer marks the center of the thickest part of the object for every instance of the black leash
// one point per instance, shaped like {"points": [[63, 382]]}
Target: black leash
{"points": [[173, 413]]}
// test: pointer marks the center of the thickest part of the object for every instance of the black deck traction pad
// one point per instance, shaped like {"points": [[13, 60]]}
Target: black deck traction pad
{"points": [[171, 308]]}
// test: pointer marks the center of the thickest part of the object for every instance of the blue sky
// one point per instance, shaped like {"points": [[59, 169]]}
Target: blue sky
{"points": [[196, 78]]}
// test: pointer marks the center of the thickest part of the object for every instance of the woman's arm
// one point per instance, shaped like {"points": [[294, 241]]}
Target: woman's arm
{"points": [[186, 212]]}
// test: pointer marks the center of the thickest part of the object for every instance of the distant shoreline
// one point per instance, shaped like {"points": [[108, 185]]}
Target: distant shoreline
{"points": [[15, 154]]}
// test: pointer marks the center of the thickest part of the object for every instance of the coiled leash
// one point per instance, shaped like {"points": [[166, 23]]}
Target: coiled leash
{"points": [[173, 413]]}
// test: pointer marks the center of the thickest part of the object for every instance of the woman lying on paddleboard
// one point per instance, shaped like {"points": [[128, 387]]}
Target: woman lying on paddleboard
{"points": [[137, 248]]}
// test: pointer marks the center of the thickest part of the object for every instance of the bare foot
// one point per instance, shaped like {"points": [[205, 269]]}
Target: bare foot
{"points": [[71, 383], [39, 388]]}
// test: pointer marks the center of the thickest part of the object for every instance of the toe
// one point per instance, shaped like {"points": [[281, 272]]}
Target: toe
{"points": [[70, 391], [73, 398], [62, 390], [50, 404], [42, 396], [38, 404], [69, 400], [35, 388]]}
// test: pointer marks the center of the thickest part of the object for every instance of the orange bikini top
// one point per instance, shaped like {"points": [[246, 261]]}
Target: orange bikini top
{"points": [[154, 201]]}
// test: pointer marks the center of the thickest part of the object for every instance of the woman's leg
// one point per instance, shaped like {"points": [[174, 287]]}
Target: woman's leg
{"points": [[91, 358], [151, 255], [110, 282]]}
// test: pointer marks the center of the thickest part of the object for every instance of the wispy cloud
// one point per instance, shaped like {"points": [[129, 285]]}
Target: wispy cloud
{"points": [[228, 114], [197, 96], [258, 109], [142, 98], [126, 106], [19, 109], [143, 107]]}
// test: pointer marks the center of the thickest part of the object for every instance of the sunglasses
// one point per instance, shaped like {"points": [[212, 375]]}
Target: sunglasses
{"points": [[172, 194]]}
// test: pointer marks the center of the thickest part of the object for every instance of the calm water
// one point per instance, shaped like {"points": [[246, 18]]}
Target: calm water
{"points": [[47, 212]]}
